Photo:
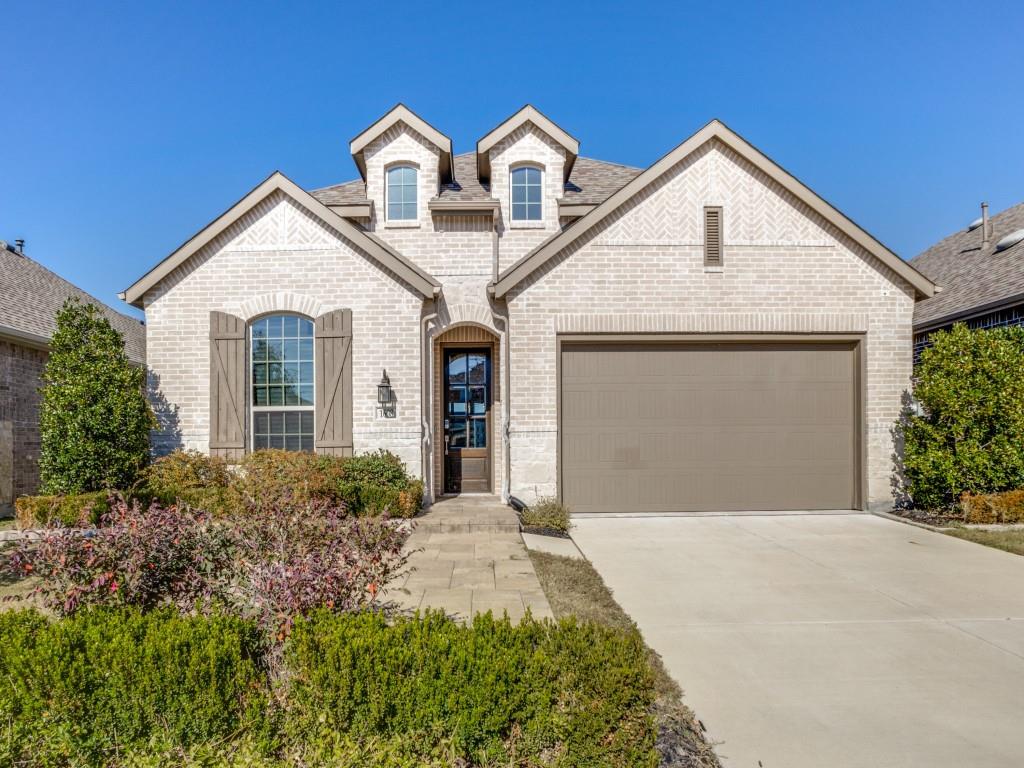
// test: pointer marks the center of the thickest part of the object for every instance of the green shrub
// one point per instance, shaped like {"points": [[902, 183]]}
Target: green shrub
{"points": [[77, 509], [94, 419], [185, 470], [369, 500], [565, 694], [1006, 507], [970, 437], [546, 512], [81, 690], [274, 479], [379, 468]]}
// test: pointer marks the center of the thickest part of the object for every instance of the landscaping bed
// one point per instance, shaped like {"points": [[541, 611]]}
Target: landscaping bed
{"points": [[575, 589], [121, 687], [545, 517]]}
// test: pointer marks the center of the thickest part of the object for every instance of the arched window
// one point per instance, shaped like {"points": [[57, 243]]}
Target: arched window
{"points": [[282, 382], [401, 193], [527, 184]]}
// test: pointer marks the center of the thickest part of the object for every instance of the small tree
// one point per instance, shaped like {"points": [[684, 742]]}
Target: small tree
{"points": [[94, 419], [969, 436]]}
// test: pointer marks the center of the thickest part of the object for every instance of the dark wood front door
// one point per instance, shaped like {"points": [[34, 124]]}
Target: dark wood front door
{"points": [[467, 420]]}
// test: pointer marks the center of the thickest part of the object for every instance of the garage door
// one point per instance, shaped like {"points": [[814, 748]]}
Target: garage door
{"points": [[708, 427]]}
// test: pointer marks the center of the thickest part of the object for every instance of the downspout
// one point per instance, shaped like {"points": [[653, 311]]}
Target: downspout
{"points": [[506, 399], [506, 409], [427, 367]]}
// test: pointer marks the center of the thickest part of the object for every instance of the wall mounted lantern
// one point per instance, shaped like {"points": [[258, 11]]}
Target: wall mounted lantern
{"points": [[386, 396]]}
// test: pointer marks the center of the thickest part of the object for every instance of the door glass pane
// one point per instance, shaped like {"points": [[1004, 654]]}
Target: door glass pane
{"points": [[477, 369], [478, 400], [456, 400], [457, 369], [478, 433], [457, 433]]}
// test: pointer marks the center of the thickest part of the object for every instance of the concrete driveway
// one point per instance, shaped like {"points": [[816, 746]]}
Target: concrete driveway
{"points": [[828, 640]]}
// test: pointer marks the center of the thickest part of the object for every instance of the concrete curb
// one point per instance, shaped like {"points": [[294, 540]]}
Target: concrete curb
{"points": [[915, 523]]}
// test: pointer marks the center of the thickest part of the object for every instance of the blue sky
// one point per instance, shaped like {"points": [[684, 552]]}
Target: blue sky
{"points": [[127, 127]]}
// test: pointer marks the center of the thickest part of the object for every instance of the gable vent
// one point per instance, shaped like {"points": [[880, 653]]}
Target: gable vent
{"points": [[712, 237]]}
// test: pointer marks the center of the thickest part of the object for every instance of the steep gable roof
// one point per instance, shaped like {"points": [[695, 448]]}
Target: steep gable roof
{"points": [[402, 114], [32, 294], [373, 246], [528, 114], [713, 130], [973, 278]]}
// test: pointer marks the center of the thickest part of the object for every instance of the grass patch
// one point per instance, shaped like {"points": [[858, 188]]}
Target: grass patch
{"points": [[574, 588], [1008, 539]]}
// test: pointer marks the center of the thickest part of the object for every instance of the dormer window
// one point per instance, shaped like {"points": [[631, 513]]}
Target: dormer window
{"points": [[401, 193], [527, 183]]}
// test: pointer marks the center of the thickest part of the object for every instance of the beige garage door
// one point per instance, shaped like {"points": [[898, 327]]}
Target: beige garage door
{"points": [[706, 427]]}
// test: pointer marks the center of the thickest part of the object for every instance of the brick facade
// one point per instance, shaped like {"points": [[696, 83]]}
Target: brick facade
{"points": [[786, 270], [21, 369]]}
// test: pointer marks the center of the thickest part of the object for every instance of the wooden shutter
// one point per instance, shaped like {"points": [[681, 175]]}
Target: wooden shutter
{"points": [[227, 385], [712, 237], [333, 362]]}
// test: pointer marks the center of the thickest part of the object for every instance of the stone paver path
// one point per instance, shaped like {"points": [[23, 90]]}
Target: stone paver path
{"points": [[468, 557]]}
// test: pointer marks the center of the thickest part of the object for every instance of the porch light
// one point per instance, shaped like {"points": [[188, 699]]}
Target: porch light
{"points": [[384, 389], [386, 396]]}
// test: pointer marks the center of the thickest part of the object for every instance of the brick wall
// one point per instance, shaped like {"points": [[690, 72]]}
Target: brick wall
{"points": [[20, 371], [279, 257], [786, 270]]}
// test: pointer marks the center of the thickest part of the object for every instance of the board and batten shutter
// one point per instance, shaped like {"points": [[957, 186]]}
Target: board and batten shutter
{"points": [[333, 398], [227, 385]]}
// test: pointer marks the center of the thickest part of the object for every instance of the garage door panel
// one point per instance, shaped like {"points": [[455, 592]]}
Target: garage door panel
{"points": [[718, 427]]}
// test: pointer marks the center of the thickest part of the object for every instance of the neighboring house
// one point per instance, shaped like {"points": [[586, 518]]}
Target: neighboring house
{"points": [[706, 333], [981, 271], [30, 296]]}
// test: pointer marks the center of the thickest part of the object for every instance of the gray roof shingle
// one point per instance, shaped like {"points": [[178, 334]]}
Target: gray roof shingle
{"points": [[591, 182], [30, 296], [971, 277]]}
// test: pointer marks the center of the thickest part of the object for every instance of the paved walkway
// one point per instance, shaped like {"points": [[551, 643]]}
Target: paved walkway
{"points": [[840, 641], [468, 557]]}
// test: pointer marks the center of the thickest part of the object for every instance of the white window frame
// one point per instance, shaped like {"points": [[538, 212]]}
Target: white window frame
{"points": [[526, 223], [413, 222], [253, 408]]}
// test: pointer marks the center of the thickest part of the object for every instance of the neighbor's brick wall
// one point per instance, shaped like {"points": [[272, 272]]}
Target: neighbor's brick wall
{"points": [[281, 257], [21, 370], [786, 270]]}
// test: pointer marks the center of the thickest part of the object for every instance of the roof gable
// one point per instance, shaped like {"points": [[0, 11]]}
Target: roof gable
{"points": [[528, 114], [712, 131], [402, 114], [375, 248]]}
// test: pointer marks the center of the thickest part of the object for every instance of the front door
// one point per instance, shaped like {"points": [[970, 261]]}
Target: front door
{"points": [[467, 420]]}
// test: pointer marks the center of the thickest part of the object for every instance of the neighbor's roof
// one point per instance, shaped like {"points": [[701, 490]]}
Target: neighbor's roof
{"points": [[30, 296], [713, 131], [972, 279], [591, 182]]}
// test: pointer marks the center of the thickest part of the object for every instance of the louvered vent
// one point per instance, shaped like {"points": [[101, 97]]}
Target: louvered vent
{"points": [[713, 237]]}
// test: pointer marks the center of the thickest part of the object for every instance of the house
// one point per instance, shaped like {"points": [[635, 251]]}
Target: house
{"points": [[30, 296], [703, 334], [981, 271]]}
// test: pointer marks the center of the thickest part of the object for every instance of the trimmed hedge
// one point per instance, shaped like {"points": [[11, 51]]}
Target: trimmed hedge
{"points": [[81, 690], [1007, 507], [76, 509], [538, 692], [119, 687]]}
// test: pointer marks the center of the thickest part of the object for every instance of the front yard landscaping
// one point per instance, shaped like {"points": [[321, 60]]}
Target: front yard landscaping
{"points": [[1007, 539], [575, 589]]}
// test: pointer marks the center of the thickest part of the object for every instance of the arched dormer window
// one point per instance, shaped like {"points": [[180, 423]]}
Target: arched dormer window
{"points": [[282, 382], [527, 184], [401, 193]]}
